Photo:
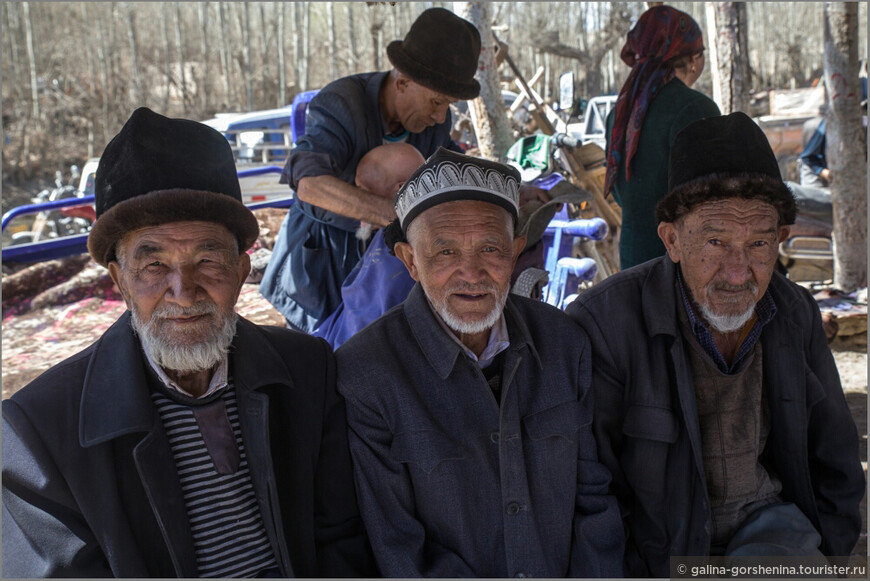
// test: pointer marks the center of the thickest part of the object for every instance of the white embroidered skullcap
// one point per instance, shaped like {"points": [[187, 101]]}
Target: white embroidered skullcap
{"points": [[448, 176]]}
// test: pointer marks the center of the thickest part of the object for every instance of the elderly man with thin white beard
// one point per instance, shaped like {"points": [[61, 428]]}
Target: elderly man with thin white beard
{"points": [[469, 410], [186, 441], [719, 409]]}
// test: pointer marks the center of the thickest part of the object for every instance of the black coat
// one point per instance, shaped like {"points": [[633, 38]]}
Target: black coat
{"points": [[646, 420], [89, 484]]}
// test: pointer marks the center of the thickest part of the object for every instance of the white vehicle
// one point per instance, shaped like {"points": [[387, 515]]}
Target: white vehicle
{"points": [[258, 184], [593, 126], [257, 137]]}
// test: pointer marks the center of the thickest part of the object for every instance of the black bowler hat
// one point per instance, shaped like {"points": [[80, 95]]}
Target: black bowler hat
{"points": [[440, 52], [159, 170], [726, 156]]}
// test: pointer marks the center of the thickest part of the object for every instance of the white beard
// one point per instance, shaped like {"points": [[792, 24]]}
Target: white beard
{"points": [[473, 327], [186, 358], [726, 323]]}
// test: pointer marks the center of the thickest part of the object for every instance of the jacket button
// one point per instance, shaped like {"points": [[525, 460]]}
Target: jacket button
{"points": [[493, 437], [520, 575], [512, 509]]}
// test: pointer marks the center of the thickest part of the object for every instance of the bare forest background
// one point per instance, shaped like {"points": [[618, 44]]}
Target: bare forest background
{"points": [[73, 72]]}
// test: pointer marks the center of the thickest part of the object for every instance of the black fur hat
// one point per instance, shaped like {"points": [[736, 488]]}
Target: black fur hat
{"points": [[440, 52], [159, 170], [723, 157]]}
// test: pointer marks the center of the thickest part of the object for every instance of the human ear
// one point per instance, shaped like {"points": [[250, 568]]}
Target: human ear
{"points": [[243, 269], [519, 243], [405, 253], [670, 237], [118, 278]]}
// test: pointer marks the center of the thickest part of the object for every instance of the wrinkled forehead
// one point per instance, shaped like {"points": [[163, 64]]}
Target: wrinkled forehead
{"points": [[463, 216], [732, 213], [433, 94], [174, 236]]}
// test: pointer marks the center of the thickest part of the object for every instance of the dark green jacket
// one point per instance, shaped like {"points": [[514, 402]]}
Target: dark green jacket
{"points": [[675, 107]]}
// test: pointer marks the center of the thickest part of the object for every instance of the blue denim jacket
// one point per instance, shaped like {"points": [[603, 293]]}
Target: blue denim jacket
{"points": [[315, 250], [452, 484]]}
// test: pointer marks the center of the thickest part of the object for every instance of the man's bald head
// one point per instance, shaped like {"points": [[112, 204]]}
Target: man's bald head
{"points": [[385, 168]]}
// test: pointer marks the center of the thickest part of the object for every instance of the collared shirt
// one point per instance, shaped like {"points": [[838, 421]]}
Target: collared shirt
{"points": [[218, 380], [498, 339], [765, 309]]}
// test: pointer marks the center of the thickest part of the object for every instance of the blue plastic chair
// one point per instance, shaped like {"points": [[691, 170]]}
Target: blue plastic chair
{"points": [[298, 109]]}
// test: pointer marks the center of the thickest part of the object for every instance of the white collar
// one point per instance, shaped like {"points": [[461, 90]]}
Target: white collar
{"points": [[498, 339]]}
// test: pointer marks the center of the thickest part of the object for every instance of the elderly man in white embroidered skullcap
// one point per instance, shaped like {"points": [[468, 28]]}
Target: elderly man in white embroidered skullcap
{"points": [[469, 409]]}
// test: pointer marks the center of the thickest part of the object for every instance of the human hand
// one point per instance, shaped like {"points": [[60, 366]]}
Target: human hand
{"points": [[529, 193]]}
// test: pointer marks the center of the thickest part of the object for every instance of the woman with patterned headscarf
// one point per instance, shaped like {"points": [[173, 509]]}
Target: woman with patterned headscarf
{"points": [[665, 51]]}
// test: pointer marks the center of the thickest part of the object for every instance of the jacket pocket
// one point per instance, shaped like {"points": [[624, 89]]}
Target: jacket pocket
{"points": [[425, 448], [651, 423], [649, 455], [559, 421], [815, 390]]}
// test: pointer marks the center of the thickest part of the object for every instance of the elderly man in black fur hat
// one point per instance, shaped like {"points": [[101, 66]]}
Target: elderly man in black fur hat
{"points": [[316, 247], [469, 409], [719, 409], [185, 442]]}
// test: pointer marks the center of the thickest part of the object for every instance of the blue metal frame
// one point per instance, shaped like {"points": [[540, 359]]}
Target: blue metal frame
{"points": [[45, 207], [77, 244]]}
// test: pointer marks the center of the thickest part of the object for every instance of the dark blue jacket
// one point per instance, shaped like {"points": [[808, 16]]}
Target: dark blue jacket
{"points": [[315, 250], [646, 420], [453, 485]]}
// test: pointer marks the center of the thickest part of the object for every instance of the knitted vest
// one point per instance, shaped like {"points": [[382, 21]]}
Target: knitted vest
{"points": [[734, 422]]}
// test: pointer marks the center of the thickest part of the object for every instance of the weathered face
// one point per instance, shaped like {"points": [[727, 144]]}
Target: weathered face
{"points": [[727, 250], [418, 107], [181, 281], [463, 253]]}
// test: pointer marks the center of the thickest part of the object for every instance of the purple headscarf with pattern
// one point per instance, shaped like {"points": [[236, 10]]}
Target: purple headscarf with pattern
{"points": [[661, 35]]}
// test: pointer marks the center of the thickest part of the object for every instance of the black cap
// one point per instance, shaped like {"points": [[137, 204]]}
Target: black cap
{"points": [[440, 52], [159, 170]]}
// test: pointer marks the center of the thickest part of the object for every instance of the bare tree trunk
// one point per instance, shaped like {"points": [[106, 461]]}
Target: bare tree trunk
{"points": [[729, 56], [167, 60], [224, 53], [246, 55], [351, 40], [104, 76], [11, 33], [488, 114], [295, 19], [376, 29], [179, 48], [89, 47], [330, 28], [845, 145], [306, 45], [282, 64], [31, 60], [268, 76], [114, 53], [203, 51], [394, 21], [138, 96]]}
